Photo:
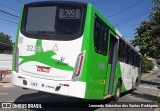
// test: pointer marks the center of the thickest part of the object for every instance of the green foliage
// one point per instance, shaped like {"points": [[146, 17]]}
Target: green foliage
{"points": [[5, 43], [148, 65], [148, 33]]}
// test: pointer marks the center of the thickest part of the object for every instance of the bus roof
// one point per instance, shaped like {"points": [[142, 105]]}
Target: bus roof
{"points": [[127, 42], [57, 2]]}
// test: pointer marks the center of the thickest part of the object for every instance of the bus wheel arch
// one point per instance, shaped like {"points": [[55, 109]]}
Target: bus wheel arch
{"points": [[136, 84], [118, 89], [137, 81], [120, 80]]}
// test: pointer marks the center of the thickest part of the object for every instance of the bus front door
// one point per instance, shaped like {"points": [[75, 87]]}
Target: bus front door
{"points": [[112, 62]]}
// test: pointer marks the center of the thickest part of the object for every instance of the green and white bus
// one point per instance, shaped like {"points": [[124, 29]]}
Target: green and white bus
{"points": [[69, 48]]}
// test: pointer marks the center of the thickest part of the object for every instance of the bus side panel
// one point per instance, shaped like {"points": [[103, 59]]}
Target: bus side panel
{"points": [[92, 75], [16, 42], [87, 45], [118, 76], [92, 72], [93, 89]]}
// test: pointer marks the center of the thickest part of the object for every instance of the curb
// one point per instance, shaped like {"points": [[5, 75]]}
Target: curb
{"points": [[149, 82], [6, 84], [147, 74]]}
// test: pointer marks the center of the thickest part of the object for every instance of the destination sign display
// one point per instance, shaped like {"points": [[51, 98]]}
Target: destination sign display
{"points": [[69, 13]]}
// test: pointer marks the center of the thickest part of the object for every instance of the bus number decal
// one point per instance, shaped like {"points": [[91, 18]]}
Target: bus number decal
{"points": [[33, 48], [38, 48], [101, 66]]}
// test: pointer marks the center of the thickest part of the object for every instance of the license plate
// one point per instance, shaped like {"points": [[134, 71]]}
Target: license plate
{"points": [[33, 84]]}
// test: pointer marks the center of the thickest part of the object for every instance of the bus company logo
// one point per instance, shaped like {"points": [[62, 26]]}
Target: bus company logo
{"points": [[43, 69], [48, 86], [62, 59]]}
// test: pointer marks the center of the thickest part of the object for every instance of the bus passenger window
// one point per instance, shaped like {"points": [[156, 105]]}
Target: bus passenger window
{"points": [[104, 45], [100, 36], [97, 35]]}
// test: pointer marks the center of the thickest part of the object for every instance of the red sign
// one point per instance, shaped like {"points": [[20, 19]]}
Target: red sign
{"points": [[43, 69]]}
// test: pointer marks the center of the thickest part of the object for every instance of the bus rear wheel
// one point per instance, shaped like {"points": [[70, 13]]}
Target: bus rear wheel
{"points": [[118, 91]]}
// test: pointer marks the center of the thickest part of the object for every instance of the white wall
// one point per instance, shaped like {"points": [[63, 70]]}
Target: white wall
{"points": [[5, 62]]}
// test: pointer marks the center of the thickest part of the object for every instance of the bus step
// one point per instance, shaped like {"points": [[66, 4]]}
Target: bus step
{"points": [[107, 96]]}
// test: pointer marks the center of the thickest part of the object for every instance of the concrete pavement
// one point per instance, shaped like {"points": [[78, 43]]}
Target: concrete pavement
{"points": [[6, 82]]}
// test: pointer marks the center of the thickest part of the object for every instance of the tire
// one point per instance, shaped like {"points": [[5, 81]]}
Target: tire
{"points": [[118, 91], [135, 85]]}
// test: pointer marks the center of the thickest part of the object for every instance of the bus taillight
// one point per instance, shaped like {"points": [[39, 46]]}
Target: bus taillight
{"points": [[79, 66]]}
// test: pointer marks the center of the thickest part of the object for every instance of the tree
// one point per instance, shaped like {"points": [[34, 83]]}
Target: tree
{"points": [[148, 33], [5, 43]]}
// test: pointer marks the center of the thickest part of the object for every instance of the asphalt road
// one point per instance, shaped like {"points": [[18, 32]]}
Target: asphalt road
{"points": [[146, 92]]}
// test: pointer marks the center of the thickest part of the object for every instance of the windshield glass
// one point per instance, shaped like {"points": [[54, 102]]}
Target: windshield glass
{"points": [[53, 20], [40, 19]]}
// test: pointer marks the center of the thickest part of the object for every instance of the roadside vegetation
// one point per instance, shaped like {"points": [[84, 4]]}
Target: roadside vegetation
{"points": [[148, 37], [6, 43], [148, 65]]}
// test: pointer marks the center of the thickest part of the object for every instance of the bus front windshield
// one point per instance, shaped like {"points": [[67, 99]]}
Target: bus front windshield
{"points": [[53, 20]]}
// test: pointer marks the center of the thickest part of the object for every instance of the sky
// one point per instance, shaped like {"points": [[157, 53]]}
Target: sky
{"points": [[125, 15]]}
